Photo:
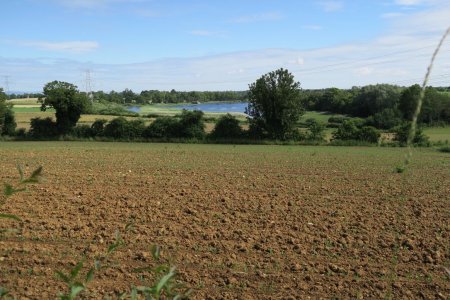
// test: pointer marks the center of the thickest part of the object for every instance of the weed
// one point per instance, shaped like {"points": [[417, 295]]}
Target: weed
{"points": [[166, 284], [21, 186]]}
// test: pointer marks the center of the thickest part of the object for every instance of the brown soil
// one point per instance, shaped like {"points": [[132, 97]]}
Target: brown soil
{"points": [[245, 222]]}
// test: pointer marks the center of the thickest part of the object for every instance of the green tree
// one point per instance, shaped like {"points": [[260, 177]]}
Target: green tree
{"points": [[68, 102], [275, 104], [7, 119], [408, 101]]}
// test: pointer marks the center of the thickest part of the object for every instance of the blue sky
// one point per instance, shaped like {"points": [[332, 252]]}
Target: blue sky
{"points": [[219, 45]]}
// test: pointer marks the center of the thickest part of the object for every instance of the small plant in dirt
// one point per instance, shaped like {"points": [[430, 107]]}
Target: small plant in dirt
{"points": [[76, 282], [20, 186], [165, 286], [9, 190]]}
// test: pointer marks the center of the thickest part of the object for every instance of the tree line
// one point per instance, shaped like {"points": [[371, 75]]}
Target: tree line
{"points": [[384, 106], [275, 104], [154, 96]]}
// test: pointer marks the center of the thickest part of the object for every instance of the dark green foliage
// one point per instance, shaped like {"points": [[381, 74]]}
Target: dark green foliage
{"points": [[82, 131], [408, 101], [98, 126], [9, 123], [355, 130], [274, 104], [121, 128], [445, 149], [191, 124], [68, 102], [402, 132], [372, 99], [347, 131], [386, 119], [227, 127], [316, 130], [43, 128], [369, 134], [7, 120], [162, 127]]}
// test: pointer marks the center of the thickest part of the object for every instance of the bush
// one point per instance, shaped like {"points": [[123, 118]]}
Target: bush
{"points": [[402, 132], [227, 127], [98, 126], [369, 134], [316, 130], [191, 124], [162, 127], [353, 130], [445, 149], [120, 128], [82, 131], [43, 127]]}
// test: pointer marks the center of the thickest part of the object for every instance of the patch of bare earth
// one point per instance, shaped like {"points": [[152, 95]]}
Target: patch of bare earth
{"points": [[244, 222]]}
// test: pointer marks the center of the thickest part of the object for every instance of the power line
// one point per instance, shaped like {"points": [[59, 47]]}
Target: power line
{"points": [[88, 84]]}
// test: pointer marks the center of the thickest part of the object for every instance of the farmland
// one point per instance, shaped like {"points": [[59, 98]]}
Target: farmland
{"points": [[238, 221]]}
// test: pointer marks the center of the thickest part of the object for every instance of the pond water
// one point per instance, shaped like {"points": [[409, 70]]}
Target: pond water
{"points": [[222, 107]]}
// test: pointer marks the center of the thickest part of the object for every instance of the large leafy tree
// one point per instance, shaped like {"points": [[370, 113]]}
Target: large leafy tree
{"points": [[68, 103], [275, 104]]}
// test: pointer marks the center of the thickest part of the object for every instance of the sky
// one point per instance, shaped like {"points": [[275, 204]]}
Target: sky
{"points": [[219, 45]]}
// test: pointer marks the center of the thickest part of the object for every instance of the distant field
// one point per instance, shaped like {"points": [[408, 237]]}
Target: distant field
{"points": [[26, 101], [319, 116], [438, 133]]}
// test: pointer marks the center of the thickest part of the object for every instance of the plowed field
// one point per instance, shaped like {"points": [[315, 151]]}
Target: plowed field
{"points": [[243, 222]]}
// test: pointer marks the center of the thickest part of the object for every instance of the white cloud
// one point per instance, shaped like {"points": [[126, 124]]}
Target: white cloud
{"points": [[70, 46], [268, 16], [331, 6]]}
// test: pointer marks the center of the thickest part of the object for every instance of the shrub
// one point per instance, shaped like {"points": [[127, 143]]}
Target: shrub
{"points": [[162, 127], [316, 130], [354, 130], [227, 127], [347, 131], [402, 132], [191, 124], [369, 134], [98, 126], [445, 149], [386, 119], [43, 127], [82, 131], [120, 128]]}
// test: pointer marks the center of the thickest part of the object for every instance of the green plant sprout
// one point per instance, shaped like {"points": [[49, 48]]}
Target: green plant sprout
{"points": [[165, 286], [9, 189], [75, 283]]}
